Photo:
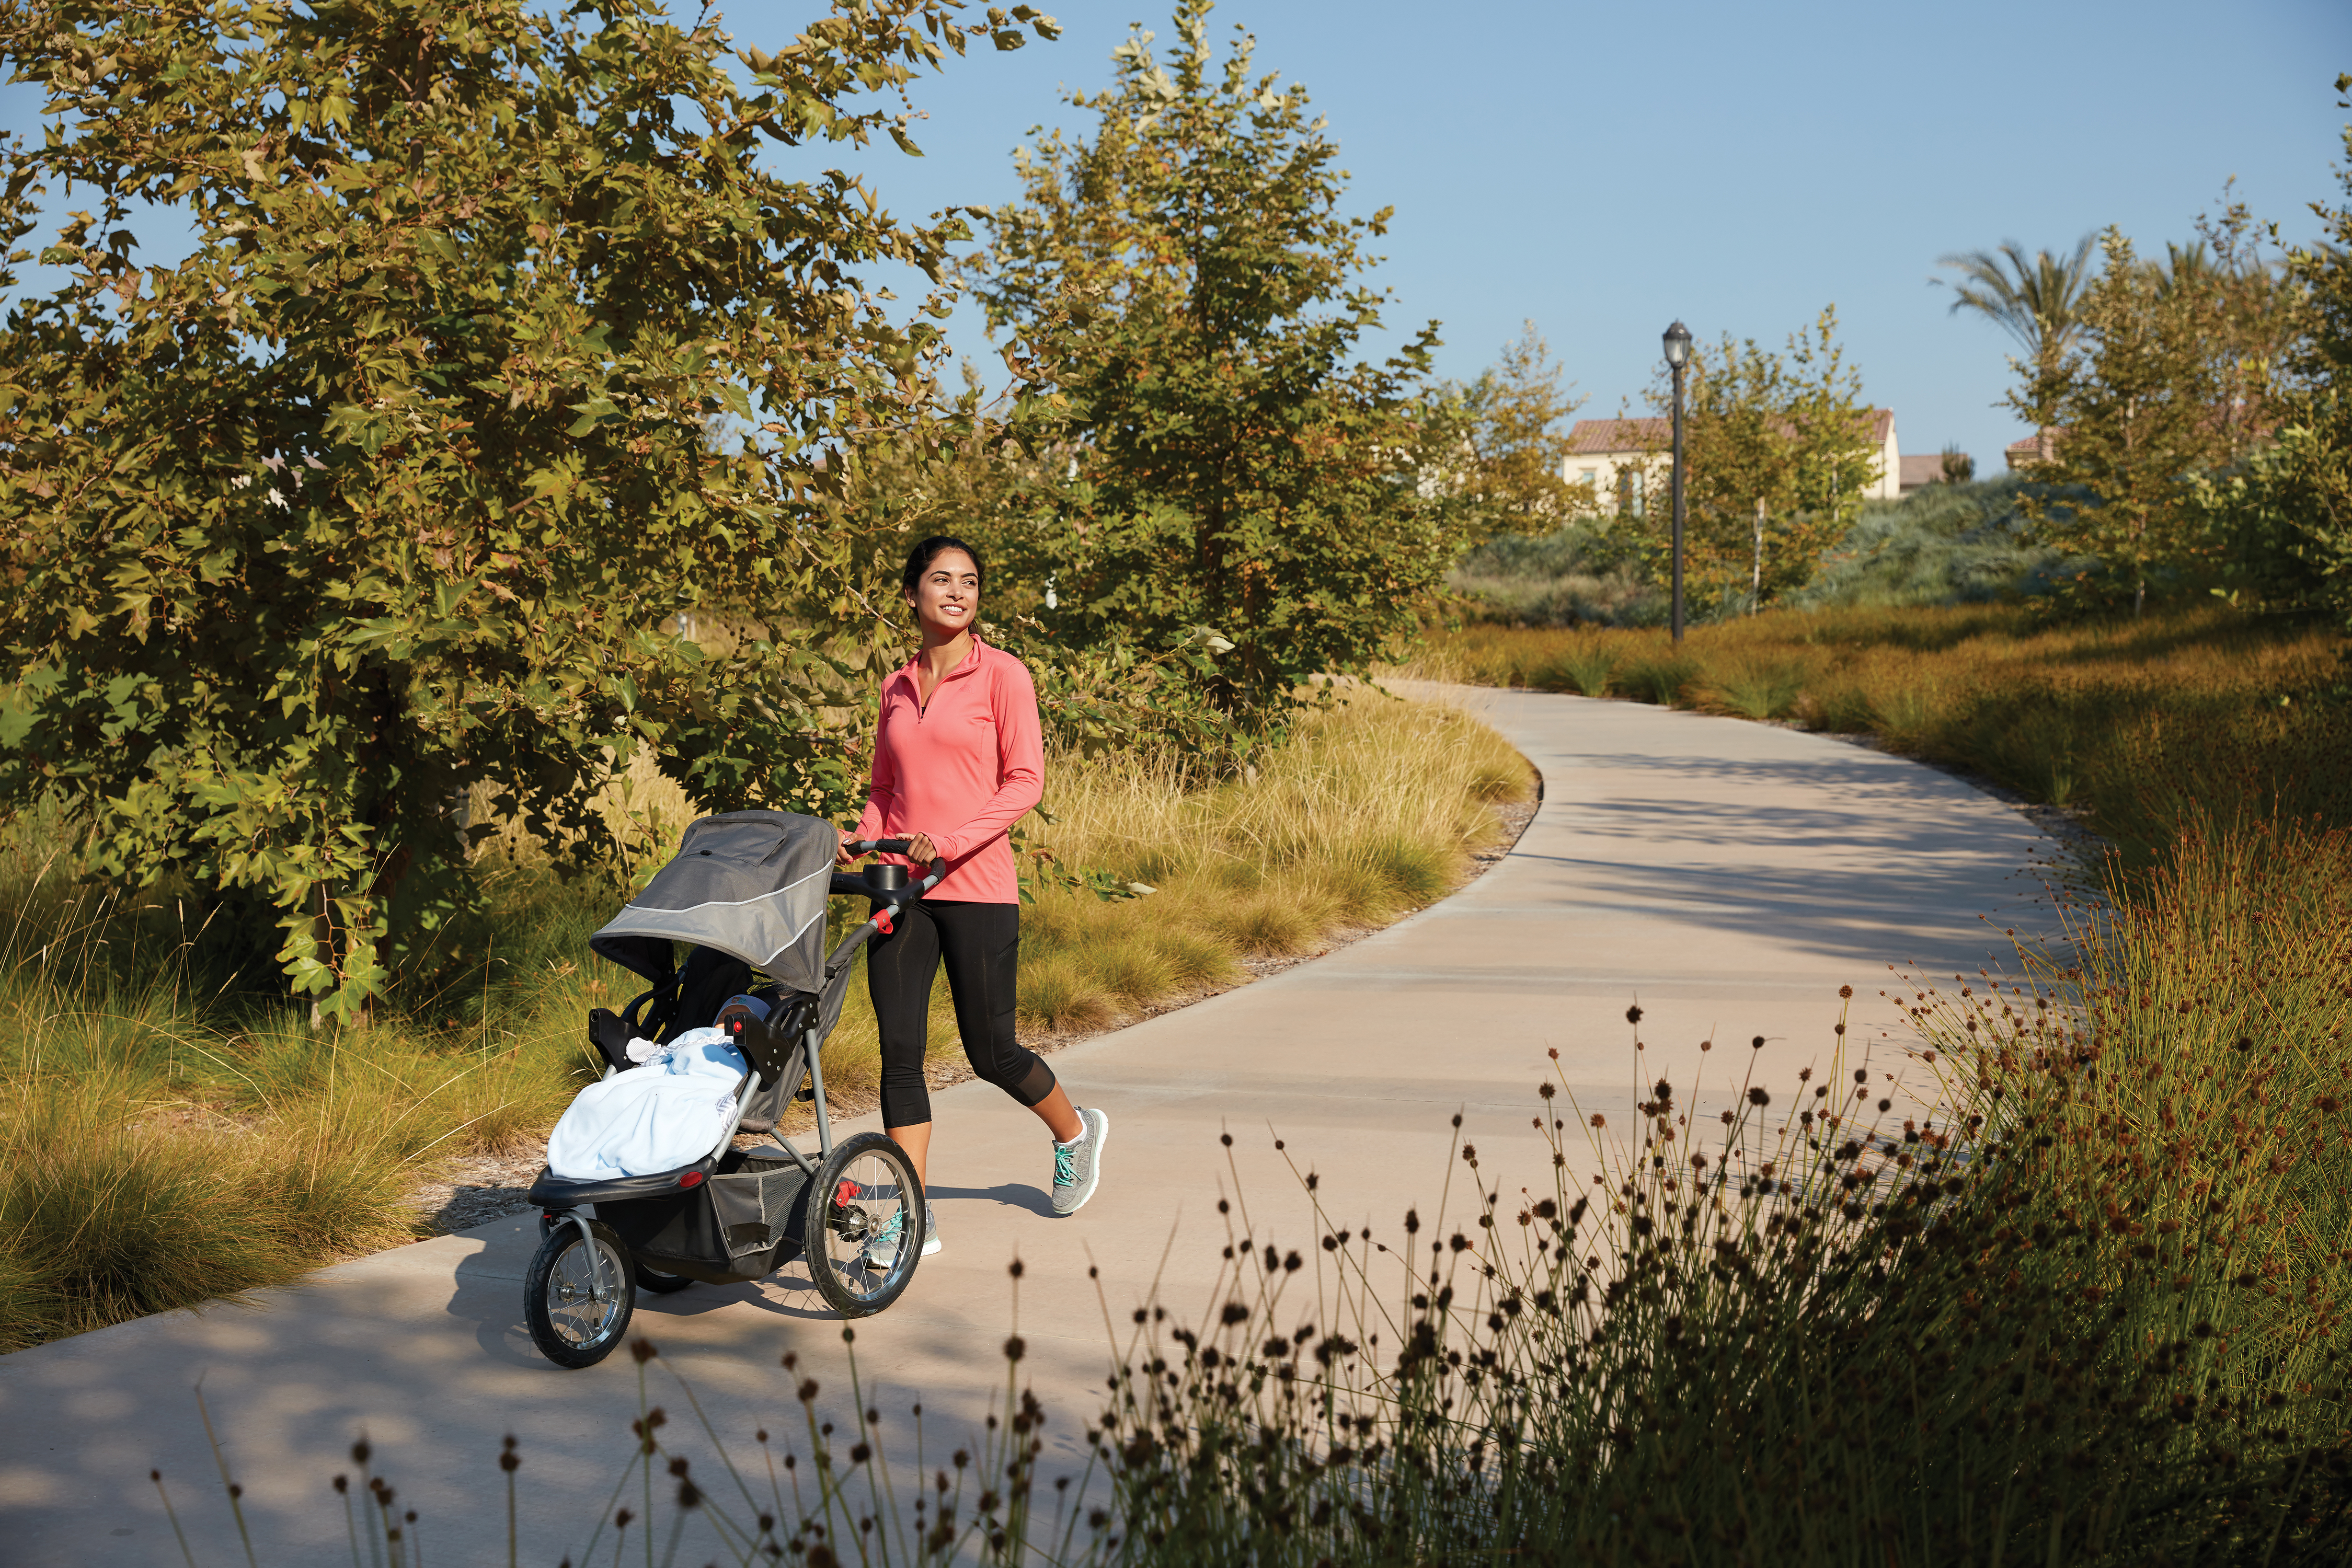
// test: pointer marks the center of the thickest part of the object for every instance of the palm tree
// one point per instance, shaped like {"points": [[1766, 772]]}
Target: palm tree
{"points": [[2033, 298], [2187, 268]]}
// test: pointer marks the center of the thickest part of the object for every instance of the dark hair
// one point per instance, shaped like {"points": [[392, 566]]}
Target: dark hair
{"points": [[920, 558]]}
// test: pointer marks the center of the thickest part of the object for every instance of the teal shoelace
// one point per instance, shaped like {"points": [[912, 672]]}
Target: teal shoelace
{"points": [[1066, 1165]]}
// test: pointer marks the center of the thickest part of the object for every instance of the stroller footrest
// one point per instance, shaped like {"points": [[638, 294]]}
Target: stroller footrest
{"points": [[552, 1191]]}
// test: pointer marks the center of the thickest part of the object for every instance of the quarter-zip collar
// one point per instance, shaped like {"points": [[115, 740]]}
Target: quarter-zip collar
{"points": [[911, 673]]}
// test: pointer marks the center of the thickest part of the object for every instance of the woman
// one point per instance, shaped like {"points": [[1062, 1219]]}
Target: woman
{"points": [[958, 759]]}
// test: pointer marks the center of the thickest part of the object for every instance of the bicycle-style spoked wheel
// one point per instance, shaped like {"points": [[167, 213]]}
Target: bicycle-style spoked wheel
{"points": [[864, 1225], [577, 1297]]}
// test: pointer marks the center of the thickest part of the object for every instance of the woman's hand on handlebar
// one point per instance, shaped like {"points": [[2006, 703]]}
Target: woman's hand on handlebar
{"points": [[920, 848]]}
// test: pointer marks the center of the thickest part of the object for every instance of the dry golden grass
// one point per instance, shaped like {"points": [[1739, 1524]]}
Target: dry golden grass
{"points": [[164, 1139], [2137, 722]]}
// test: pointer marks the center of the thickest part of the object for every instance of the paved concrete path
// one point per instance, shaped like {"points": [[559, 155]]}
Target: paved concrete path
{"points": [[1729, 876]]}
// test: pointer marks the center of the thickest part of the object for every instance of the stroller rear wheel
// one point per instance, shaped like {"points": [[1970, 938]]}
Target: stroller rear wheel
{"points": [[577, 1296], [660, 1284], [866, 1206]]}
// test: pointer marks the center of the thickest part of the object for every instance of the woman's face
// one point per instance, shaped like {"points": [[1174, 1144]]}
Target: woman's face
{"points": [[947, 596]]}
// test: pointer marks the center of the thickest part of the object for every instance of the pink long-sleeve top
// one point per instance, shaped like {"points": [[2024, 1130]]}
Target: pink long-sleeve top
{"points": [[964, 769]]}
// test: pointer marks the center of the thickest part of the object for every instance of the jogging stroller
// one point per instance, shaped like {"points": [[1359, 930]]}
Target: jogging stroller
{"points": [[747, 893]]}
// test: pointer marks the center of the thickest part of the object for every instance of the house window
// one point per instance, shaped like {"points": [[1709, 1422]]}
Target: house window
{"points": [[1629, 489], [1589, 477]]}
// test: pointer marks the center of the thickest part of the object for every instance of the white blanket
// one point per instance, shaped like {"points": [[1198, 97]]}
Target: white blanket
{"points": [[665, 1114]]}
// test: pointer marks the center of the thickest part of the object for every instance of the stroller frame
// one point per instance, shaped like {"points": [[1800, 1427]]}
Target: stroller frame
{"points": [[734, 1215]]}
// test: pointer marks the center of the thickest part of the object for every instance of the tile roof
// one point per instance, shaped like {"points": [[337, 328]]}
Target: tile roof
{"points": [[1925, 469], [2042, 447], [1602, 435], [1594, 436]]}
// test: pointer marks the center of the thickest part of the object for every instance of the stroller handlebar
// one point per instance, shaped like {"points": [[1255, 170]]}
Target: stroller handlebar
{"points": [[886, 885], [883, 893]]}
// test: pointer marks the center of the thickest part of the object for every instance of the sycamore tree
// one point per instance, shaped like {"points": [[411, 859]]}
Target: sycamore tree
{"points": [[389, 486], [1779, 447], [1232, 478], [2140, 410], [1493, 449], [2282, 519]]}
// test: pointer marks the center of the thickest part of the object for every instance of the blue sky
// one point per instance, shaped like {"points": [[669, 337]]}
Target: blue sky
{"points": [[1601, 170]]}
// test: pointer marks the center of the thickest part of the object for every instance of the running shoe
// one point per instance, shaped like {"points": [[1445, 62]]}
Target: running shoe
{"points": [[1077, 1164], [881, 1254]]}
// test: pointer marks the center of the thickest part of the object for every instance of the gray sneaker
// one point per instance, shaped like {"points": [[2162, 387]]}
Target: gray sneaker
{"points": [[881, 1254], [1078, 1165]]}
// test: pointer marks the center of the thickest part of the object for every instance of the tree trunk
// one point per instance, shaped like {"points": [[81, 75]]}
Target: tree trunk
{"points": [[1756, 576]]}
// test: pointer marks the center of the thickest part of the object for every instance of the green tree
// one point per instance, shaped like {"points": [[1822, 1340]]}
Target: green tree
{"points": [[2036, 299], [1493, 451], [388, 488], [2250, 312], [2139, 411], [2283, 520], [1780, 448], [1192, 288]]}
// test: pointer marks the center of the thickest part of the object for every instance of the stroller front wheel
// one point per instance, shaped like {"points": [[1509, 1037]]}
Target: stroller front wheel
{"points": [[864, 1225], [577, 1297]]}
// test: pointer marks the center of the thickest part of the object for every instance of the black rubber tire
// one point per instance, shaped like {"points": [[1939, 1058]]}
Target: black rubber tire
{"points": [[562, 1325], [660, 1284], [834, 1238]]}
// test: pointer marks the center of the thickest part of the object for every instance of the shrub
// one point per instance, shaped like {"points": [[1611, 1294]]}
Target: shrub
{"points": [[1942, 544], [1586, 667], [1755, 688], [1660, 677]]}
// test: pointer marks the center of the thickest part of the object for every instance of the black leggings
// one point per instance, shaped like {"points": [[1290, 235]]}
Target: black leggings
{"points": [[981, 945]]}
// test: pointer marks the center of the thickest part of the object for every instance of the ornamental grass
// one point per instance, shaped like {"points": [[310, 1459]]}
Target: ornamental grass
{"points": [[2134, 723], [172, 1130]]}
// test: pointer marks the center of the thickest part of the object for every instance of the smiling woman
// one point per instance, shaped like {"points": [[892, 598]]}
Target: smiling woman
{"points": [[959, 758]]}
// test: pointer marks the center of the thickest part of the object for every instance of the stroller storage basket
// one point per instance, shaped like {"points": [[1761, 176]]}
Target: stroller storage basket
{"points": [[739, 1224]]}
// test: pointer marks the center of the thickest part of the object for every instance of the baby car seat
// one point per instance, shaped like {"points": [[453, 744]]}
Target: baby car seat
{"points": [[689, 999]]}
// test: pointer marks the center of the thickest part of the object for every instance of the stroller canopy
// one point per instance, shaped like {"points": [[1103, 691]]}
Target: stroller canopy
{"points": [[749, 883]]}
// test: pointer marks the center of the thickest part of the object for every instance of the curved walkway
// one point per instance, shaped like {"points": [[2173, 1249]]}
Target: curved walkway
{"points": [[1729, 876]]}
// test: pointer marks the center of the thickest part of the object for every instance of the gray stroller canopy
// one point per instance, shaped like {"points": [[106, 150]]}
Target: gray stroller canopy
{"points": [[749, 883]]}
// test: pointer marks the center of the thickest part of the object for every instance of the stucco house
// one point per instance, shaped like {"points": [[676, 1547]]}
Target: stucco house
{"points": [[1633, 459], [1622, 457], [2042, 447]]}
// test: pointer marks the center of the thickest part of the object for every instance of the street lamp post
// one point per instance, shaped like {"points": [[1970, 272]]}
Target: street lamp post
{"points": [[1678, 342]]}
